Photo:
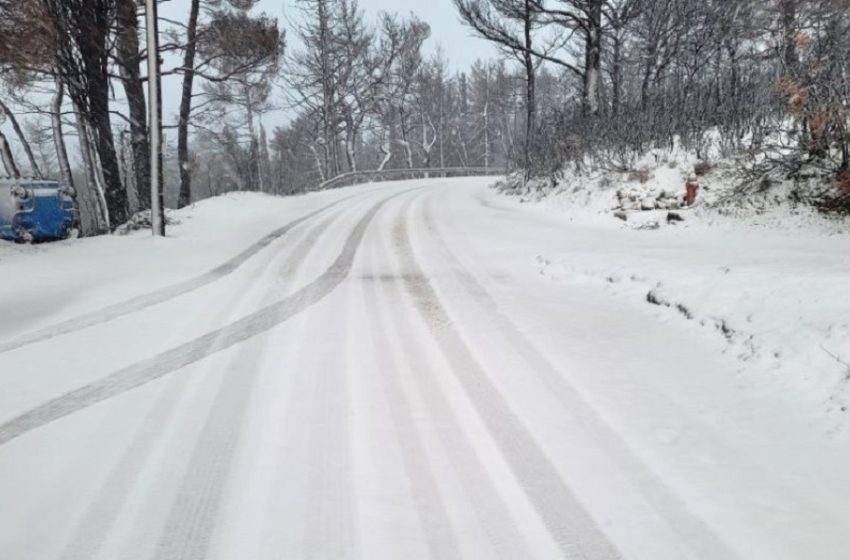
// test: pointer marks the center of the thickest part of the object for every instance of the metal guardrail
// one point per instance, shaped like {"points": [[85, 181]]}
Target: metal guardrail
{"points": [[357, 177]]}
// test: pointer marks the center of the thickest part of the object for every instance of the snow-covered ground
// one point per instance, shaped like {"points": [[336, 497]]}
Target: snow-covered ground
{"points": [[425, 369], [53, 282], [761, 274]]}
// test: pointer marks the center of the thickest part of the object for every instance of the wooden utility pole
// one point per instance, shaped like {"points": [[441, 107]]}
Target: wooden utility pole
{"points": [[155, 119]]}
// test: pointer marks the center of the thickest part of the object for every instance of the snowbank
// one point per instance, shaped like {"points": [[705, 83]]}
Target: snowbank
{"points": [[656, 185], [765, 275], [52, 282]]}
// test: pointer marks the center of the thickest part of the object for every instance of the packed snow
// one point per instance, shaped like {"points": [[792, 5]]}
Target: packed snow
{"points": [[426, 369]]}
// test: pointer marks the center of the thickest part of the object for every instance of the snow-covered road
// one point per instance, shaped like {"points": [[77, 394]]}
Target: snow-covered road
{"points": [[387, 375]]}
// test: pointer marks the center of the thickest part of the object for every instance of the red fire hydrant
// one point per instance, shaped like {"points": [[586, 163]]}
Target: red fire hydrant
{"points": [[691, 190]]}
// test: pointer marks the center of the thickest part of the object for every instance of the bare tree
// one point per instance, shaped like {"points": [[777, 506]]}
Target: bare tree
{"points": [[128, 57], [80, 31], [511, 25], [22, 139], [246, 52], [222, 45]]}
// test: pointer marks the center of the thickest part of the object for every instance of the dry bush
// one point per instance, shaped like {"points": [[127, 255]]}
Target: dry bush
{"points": [[843, 181], [798, 96], [702, 168], [802, 40]]}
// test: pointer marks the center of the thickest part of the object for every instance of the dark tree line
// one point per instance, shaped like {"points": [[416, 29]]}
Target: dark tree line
{"points": [[768, 77], [366, 96], [361, 92], [580, 82]]}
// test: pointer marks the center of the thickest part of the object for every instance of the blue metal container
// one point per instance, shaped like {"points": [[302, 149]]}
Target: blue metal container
{"points": [[33, 210]]}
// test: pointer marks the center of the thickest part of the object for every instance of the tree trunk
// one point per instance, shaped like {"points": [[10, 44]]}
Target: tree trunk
{"points": [[104, 145], [328, 90], [645, 81], [788, 9], [91, 98], [440, 128], [16, 127], [386, 149], [83, 32], [487, 134], [265, 163], [254, 174], [93, 179], [185, 197], [350, 151], [352, 129], [530, 90], [593, 59], [22, 139], [405, 140], [734, 93], [318, 159], [129, 59], [8, 158], [59, 137], [125, 161], [616, 76]]}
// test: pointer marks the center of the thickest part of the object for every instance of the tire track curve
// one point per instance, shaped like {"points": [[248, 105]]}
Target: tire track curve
{"points": [[570, 525], [92, 530], [329, 513], [191, 522], [143, 372], [431, 509], [101, 515], [492, 511], [695, 532], [161, 295]]}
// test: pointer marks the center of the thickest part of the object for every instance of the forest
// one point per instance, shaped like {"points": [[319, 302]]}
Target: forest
{"points": [[577, 84]]}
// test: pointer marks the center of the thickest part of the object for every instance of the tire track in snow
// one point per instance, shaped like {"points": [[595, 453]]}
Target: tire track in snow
{"points": [[100, 516], [329, 513], [491, 510], [190, 525], [143, 372], [302, 250], [162, 295], [695, 533], [571, 527], [430, 507], [93, 528]]}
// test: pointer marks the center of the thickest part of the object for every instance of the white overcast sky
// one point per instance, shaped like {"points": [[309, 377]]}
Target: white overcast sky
{"points": [[446, 29], [458, 45]]}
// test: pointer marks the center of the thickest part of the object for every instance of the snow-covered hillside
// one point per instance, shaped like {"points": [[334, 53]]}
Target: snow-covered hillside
{"points": [[759, 271]]}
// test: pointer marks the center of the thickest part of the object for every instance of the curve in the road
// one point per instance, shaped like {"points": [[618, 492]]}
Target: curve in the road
{"points": [[431, 509], [161, 295], [572, 528], [698, 536], [95, 525], [190, 524], [181, 356], [397, 331]]}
